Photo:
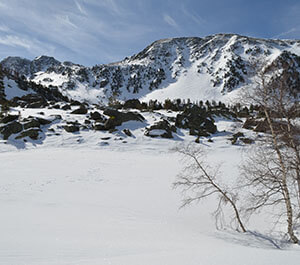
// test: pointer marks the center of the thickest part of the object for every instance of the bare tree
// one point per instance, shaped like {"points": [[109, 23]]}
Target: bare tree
{"points": [[272, 169], [199, 181]]}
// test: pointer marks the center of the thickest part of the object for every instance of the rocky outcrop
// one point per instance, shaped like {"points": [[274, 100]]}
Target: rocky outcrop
{"points": [[116, 118], [161, 129], [197, 120]]}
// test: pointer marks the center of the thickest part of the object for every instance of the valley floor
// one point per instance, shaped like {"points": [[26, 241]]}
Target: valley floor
{"points": [[116, 206]]}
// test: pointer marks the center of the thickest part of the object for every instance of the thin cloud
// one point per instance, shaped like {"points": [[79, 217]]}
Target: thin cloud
{"points": [[287, 33], [2, 5], [65, 19], [197, 19], [169, 20], [80, 8], [109, 5], [14, 41], [4, 28]]}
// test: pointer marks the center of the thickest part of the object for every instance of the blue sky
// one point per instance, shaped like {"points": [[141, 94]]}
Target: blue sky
{"points": [[92, 32]]}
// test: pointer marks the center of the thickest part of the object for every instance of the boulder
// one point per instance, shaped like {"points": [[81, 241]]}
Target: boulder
{"points": [[75, 103], [116, 118], [82, 110], [127, 132], [31, 124], [197, 120], [97, 116], [132, 104], [55, 117], [250, 123], [66, 107], [34, 101], [235, 137], [247, 140], [11, 128], [161, 129], [71, 128], [99, 127], [31, 133], [262, 126], [43, 121], [9, 118]]}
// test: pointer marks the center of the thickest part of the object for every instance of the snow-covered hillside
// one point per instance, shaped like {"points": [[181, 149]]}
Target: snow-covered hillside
{"points": [[214, 68], [84, 199]]}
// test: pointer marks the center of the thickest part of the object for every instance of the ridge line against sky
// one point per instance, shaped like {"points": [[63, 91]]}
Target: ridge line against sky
{"points": [[92, 32]]}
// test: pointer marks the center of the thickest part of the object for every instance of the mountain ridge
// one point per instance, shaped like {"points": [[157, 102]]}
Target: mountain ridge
{"points": [[214, 67]]}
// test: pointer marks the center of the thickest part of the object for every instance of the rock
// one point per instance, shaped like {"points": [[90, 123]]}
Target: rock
{"points": [[161, 129], [127, 132], [103, 83], [247, 140], [82, 110], [71, 128], [250, 123], [66, 107], [31, 133], [235, 137], [31, 124], [132, 104], [105, 138], [197, 120], [11, 128], [116, 118], [43, 121], [97, 116], [55, 117], [56, 106], [34, 101], [75, 103], [99, 127], [262, 126], [9, 118]]}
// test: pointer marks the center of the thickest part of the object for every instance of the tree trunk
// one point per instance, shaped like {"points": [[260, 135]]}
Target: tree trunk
{"points": [[285, 190]]}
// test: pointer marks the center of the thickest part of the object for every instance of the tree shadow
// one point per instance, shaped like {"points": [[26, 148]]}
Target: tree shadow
{"points": [[254, 239]]}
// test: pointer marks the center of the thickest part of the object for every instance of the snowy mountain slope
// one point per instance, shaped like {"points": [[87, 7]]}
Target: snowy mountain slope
{"points": [[214, 67]]}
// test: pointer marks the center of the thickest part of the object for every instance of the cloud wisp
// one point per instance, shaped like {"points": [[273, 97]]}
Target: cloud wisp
{"points": [[170, 21]]}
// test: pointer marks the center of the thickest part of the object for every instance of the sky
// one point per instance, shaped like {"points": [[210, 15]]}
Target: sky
{"points": [[93, 32]]}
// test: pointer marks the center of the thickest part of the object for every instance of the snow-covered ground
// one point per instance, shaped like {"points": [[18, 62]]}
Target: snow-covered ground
{"points": [[77, 199]]}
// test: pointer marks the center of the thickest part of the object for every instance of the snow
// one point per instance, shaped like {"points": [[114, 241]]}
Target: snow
{"points": [[85, 203], [12, 89]]}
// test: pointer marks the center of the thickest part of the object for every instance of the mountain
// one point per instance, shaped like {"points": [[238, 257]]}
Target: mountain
{"points": [[213, 68]]}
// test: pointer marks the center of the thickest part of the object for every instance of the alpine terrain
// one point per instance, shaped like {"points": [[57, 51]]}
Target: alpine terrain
{"points": [[89, 162]]}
